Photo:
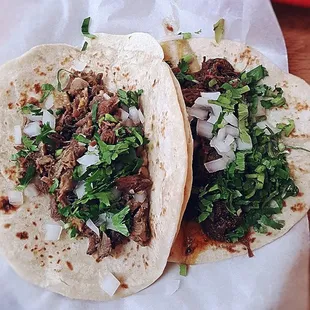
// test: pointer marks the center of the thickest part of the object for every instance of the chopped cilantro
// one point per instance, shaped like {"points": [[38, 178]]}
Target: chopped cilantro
{"points": [[47, 89], [46, 130], [129, 98], [94, 110], [54, 186], [84, 47], [183, 65], [198, 31], [25, 180], [109, 118], [58, 152], [212, 82], [81, 138], [31, 109], [287, 128]]}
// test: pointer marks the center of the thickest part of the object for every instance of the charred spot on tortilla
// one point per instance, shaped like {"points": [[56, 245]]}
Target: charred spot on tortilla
{"points": [[230, 194], [22, 235], [5, 206], [90, 157], [7, 225]]}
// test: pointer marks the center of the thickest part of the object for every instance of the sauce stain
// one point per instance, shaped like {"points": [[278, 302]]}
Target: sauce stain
{"points": [[298, 207], [124, 285], [191, 241], [11, 105], [69, 265], [5, 206], [7, 226], [22, 235]]}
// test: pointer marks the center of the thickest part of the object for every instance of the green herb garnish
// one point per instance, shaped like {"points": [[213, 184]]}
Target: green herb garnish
{"points": [[31, 109], [183, 270], [24, 181], [81, 138], [84, 47], [85, 29], [129, 98], [54, 186], [218, 29], [46, 130], [183, 65], [185, 35], [47, 89]]}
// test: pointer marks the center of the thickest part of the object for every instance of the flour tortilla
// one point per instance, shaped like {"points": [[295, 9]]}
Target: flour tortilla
{"points": [[135, 62], [297, 94]]}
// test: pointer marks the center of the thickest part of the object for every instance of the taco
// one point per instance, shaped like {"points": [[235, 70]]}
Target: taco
{"points": [[251, 142], [91, 172]]}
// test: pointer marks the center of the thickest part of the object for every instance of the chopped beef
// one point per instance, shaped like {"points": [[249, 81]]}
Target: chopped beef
{"points": [[47, 180], [140, 230], [105, 106], [85, 126], [93, 243], [116, 238], [220, 222], [54, 209], [80, 104], [133, 182], [219, 69], [71, 154], [76, 85], [40, 186], [44, 163], [66, 185], [107, 133], [104, 247]]}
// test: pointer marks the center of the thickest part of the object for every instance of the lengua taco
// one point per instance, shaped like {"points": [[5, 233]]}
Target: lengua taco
{"points": [[91, 171], [248, 120]]}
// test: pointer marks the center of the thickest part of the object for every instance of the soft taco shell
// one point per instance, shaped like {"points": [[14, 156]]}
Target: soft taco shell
{"points": [[297, 94], [133, 61]]}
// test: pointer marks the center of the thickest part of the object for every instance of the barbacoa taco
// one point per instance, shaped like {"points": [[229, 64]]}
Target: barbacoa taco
{"points": [[248, 120], [91, 169]]}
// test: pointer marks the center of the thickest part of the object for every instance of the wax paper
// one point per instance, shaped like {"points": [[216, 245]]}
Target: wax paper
{"points": [[278, 276]]}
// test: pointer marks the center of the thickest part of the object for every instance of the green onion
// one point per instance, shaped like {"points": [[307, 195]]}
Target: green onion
{"points": [[85, 27], [183, 270], [218, 29], [94, 110], [81, 138], [47, 89], [58, 152], [212, 82], [198, 31], [84, 47], [59, 87], [186, 35]]}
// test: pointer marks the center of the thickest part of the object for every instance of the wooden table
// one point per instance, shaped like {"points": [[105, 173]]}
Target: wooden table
{"points": [[295, 24]]}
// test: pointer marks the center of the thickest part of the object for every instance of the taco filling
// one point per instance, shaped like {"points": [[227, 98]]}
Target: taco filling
{"points": [[89, 154], [240, 173]]}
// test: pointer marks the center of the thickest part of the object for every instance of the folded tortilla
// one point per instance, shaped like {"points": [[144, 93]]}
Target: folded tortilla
{"points": [[297, 94], [134, 60]]}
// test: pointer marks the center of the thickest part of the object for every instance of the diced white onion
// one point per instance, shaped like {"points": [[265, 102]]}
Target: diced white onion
{"points": [[32, 129], [49, 102], [198, 113], [109, 283], [229, 139], [242, 146], [124, 115], [204, 129], [216, 165], [15, 197], [80, 190], [231, 130], [221, 134], [49, 118], [220, 146], [52, 232], [106, 96], [34, 118], [78, 65], [88, 160], [134, 115], [230, 118], [141, 116], [89, 223], [17, 134], [211, 95], [229, 156], [140, 196], [93, 149], [31, 191]]}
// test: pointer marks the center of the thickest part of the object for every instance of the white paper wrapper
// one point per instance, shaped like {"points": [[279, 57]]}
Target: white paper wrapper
{"points": [[277, 277]]}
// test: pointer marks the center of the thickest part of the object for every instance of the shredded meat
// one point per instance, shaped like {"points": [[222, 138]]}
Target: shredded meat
{"points": [[133, 182], [66, 185], [140, 226], [54, 210], [219, 69], [105, 106], [107, 133], [116, 238], [85, 126], [220, 222], [71, 154], [104, 247], [76, 85]]}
